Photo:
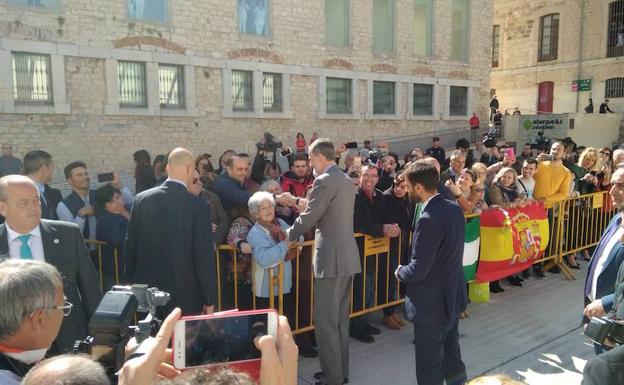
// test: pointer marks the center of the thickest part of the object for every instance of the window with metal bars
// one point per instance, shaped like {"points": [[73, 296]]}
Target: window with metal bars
{"points": [[148, 10], [548, 37], [383, 98], [615, 38], [36, 3], [32, 78], [171, 86], [423, 99], [495, 45], [614, 88], [338, 95], [272, 92], [132, 84], [242, 91], [458, 101]]}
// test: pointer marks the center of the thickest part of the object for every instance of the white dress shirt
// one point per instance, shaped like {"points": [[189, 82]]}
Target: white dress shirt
{"points": [[35, 242], [65, 215], [602, 260]]}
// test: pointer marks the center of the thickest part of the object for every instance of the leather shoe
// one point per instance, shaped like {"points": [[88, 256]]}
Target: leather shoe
{"points": [[513, 281], [370, 329], [495, 287], [539, 273], [317, 376], [555, 270], [308, 352], [526, 274], [391, 323], [362, 337]]}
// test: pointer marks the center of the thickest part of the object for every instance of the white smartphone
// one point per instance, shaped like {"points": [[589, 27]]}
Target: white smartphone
{"points": [[221, 338]]}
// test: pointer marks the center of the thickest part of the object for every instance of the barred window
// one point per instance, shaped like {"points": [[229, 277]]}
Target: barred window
{"points": [[242, 91], [615, 38], [171, 86], [338, 95], [36, 3], [148, 10], [272, 92], [383, 98], [32, 78], [614, 88], [458, 101], [495, 45], [132, 84], [423, 99], [549, 37]]}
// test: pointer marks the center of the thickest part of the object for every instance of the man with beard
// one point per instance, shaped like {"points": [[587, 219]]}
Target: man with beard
{"points": [[434, 279], [552, 179], [607, 259]]}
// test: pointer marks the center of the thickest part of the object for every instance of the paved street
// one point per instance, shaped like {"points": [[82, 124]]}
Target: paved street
{"points": [[531, 333]]}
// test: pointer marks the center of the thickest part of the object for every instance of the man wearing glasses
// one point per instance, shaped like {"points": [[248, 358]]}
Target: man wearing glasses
{"points": [[26, 236], [33, 308]]}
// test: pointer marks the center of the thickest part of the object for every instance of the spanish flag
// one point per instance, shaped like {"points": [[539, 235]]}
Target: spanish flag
{"points": [[511, 240]]}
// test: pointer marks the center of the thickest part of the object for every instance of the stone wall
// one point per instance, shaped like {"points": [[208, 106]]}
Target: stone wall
{"points": [[203, 34]]}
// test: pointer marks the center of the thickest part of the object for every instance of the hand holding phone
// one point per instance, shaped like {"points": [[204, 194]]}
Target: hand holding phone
{"points": [[105, 177]]}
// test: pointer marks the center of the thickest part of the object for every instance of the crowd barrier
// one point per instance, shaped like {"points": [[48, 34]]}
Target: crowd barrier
{"points": [[575, 224]]}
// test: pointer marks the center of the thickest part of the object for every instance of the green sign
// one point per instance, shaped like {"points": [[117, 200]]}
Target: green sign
{"points": [[581, 85]]}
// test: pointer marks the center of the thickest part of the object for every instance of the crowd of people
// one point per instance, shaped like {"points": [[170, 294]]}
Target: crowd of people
{"points": [[166, 233]]}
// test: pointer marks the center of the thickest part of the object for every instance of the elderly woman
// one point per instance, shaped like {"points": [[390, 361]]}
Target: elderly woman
{"points": [[270, 248], [282, 212]]}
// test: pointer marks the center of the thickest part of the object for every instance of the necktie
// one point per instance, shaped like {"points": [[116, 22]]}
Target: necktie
{"points": [[598, 253], [25, 252]]}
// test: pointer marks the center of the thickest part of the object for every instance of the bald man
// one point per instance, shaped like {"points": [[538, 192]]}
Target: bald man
{"points": [[25, 235], [169, 241]]}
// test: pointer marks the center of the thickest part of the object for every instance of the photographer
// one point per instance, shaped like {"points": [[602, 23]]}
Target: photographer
{"points": [[33, 308]]}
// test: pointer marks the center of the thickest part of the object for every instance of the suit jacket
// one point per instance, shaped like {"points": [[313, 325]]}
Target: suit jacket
{"points": [[605, 369], [169, 245], [434, 278], [607, 279], [64, 247], [330, 209], [52, 198]]}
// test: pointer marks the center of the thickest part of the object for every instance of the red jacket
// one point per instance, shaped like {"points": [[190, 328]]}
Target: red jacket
{"points": [[291, 184], [474, 122]]}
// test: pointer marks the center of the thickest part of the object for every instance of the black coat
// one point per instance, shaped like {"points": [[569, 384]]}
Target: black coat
{"points": [[64, 247], [396, 210], [52, 198], [607, 368], [169, 245], [365, 218], [111, 228]]}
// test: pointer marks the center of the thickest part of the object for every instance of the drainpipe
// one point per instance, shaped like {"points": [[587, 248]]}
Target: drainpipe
{"points": [[580, 53]]}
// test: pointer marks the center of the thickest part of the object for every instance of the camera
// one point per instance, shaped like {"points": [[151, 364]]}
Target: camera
{"points": [[268, 143], [599, 328], [542, 142], [111, 327], [489, 140]]}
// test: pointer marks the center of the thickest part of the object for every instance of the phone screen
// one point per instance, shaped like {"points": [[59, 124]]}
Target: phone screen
{"points": [[106, 177], [225, 339]]}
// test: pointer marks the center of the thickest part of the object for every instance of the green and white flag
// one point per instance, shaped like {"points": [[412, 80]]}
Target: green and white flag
{"points": [[471, 248]]}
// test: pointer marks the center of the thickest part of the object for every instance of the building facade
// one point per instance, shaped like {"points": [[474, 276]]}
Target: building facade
{"points": [[551, 56], [97, 80]]}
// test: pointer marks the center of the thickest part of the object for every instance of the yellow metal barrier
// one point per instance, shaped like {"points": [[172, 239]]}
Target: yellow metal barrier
{"points": [[575, 224]]}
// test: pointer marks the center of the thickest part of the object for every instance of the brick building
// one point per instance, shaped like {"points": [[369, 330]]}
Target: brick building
{"points": [[97, 80], [541, 47]]}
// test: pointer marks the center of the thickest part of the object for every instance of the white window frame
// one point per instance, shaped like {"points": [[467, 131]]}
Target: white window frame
{"points": [[447, 102], [322, 113], [152, 61], [410, 100], [57, 54], [257, 91], [398, 90]]}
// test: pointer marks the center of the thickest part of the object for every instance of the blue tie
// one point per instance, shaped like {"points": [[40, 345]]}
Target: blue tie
{"points": [[599, 251], [25, 252]]}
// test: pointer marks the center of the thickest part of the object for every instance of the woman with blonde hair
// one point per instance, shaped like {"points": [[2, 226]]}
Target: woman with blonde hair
{"points": [[590, 163]]}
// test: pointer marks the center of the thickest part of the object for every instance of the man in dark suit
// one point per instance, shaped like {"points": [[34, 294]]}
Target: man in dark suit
{"points": [[330, 210], [434, 279], [39, 167], [607, 368], [25, 235], [603, 268], [169, 241]]}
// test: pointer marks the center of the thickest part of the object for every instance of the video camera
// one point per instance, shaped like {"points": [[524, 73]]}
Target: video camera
{"points": [[542, 142], [111, 327], [268, 143], [601, 328]]}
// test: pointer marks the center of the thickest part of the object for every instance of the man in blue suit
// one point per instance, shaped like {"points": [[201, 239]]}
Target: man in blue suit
{"points": [[608, 256], [434, 279]]}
